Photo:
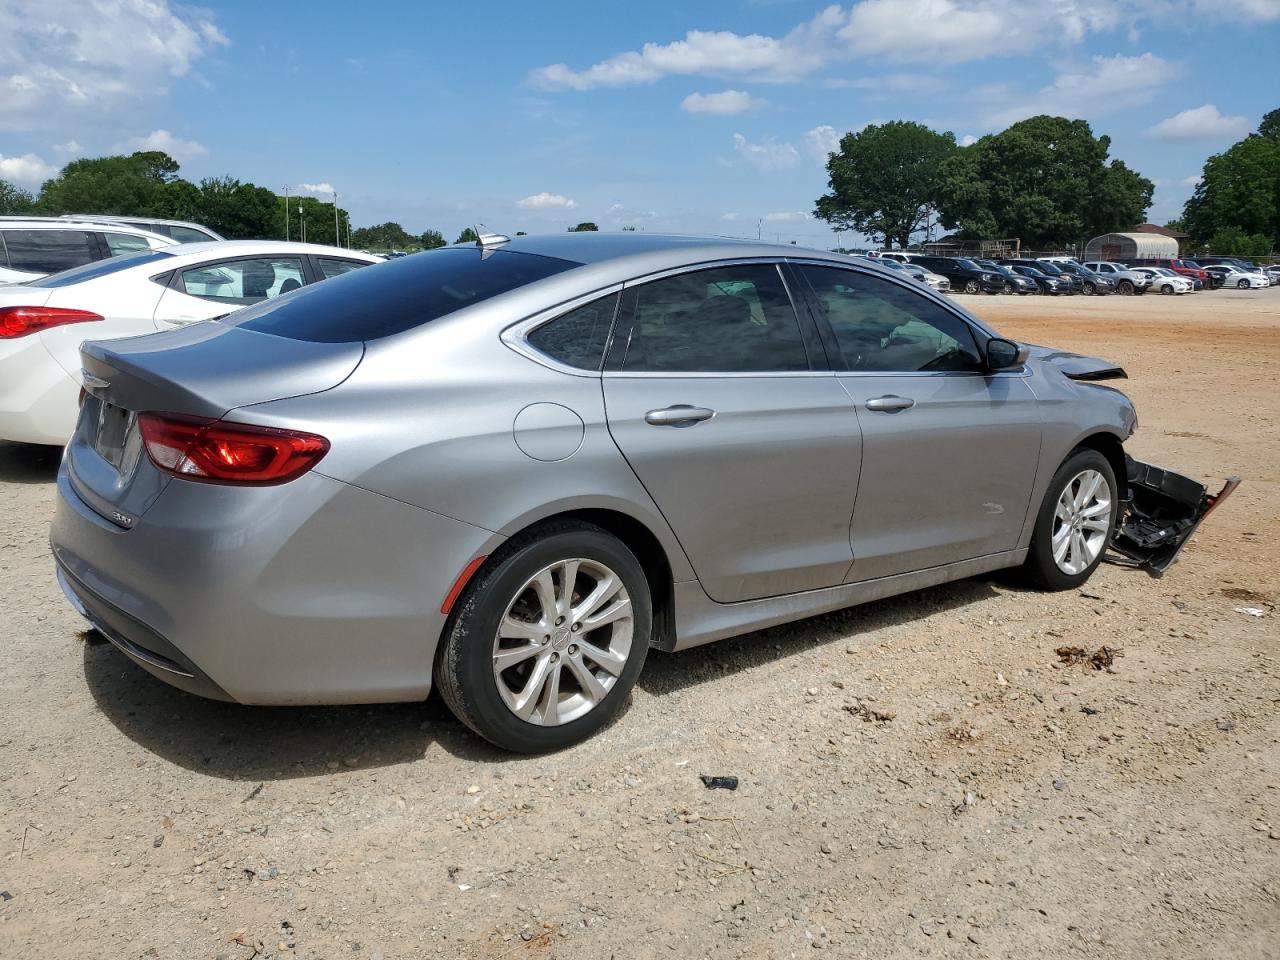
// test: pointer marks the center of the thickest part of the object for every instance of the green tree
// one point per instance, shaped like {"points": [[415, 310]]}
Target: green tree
{"points": [[14, 199], [124, 186], [1239, 190], [1234, 242], [241, 211], [384, 236], [1045, 180], [317, 215], [467, 236], [431, 239], [884, 180], [585, 227], [1270, 125]]}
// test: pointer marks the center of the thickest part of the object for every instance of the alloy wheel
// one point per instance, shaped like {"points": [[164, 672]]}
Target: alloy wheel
{"points": [[971, 286], [563, 642], [1081, 522]]}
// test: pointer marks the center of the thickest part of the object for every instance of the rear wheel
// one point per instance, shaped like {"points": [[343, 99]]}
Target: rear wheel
{"points": [[1074, 524], [549, 640]]}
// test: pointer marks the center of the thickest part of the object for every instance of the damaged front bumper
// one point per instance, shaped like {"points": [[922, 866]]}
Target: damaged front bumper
{"points": [[1161, 513]]}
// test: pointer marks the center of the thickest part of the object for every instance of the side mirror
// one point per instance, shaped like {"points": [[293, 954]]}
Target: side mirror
{"points": [[1003, 354]]}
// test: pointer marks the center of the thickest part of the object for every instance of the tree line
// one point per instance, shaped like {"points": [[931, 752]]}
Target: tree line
{"points": [[1047, 181]]}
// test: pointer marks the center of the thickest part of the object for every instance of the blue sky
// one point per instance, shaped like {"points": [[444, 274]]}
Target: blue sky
{"points": [[705, 118]]}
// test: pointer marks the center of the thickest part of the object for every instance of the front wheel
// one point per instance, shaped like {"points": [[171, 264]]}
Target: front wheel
{"points": [[549, 640], [971, 286], [1243, 284], [1090, 289], [1074, 524], [1167, 289], [1125, 288]]}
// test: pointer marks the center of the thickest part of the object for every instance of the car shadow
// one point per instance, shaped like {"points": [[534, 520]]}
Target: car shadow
{"points": [[28, 463], [666, 673], [238, 742]]}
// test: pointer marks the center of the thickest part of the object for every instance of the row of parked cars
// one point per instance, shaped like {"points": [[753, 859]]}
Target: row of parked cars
{"points": [[1058, 276], [65, 280]]}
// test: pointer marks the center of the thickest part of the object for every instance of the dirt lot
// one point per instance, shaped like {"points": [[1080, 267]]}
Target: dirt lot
{"points": [[1011, 807]]}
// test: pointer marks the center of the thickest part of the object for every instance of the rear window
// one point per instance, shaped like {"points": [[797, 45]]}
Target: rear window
{"points": [[101, 268], [399, 295]]}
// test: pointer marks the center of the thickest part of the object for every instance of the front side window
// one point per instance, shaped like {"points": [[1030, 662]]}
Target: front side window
{"points": [[883, 327], [243, 281], [725, 320], [119, 243], [50, 251], [577, 338]]}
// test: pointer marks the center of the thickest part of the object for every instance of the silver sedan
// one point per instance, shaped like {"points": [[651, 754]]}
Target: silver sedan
{"points": [[512, 468]]}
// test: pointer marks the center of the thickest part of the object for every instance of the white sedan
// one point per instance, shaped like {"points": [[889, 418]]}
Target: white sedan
{"points": [[1235, 277], [43, 323], [1164, 280]]}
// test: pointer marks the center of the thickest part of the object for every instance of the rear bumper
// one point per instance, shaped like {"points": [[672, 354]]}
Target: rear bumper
{"points": [[308, 593]]}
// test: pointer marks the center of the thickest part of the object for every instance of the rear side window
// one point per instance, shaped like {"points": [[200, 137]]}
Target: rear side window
{"points": [[243, 281], [119, 243], [186, 234], [336, 268], [577, 338], [399, 295], [725, 320], [49, 251]]}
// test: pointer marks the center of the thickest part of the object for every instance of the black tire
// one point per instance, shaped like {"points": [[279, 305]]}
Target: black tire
{"points": [[1039, 568], [1125, 288], [1167, 290], [1090, 289], [1243, 284], [464, 665], [971, 286]]}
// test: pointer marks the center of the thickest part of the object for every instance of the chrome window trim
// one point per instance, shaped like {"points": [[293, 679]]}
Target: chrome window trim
{"points": [[516, 335]]}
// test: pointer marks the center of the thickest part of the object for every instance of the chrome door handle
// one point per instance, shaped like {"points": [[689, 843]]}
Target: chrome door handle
{"points": [[678, 415], [890, 404]]}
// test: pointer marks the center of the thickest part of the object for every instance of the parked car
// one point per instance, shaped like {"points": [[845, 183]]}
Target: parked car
{"points": [[1233, 276], [962, 273], [914, 270], [1070, 282], [1047, 285], [1273, 274], [34, 247], [1128, 281], [1166, 281], [1091, 283], [1013, 282], [337, 470], [181, 231], [43, 322], [1182, 268]]}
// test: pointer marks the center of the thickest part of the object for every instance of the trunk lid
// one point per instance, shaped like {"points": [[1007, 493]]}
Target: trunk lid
{"points": [[204, 370]]}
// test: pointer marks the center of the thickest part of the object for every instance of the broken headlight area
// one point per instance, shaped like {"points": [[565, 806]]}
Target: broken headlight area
{"points": [[1162, 512]]}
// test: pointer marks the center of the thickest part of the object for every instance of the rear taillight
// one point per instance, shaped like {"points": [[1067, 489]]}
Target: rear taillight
{"points": [[19, 321], [215, 451]]}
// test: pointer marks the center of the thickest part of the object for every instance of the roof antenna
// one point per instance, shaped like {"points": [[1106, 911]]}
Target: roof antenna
{"points": [[486, 240]]}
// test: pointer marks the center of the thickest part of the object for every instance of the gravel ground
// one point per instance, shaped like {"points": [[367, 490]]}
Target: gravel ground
{"points": [[919, 777]]}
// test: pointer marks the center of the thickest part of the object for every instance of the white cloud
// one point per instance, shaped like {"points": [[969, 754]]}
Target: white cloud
{"points": [[63, 59], [822, 141], [1103, 86], [726, 103], [1192, 181], [767, 154], [1200, 123], [730, 216], [180, 150], [718, 52], [71, 148], [1243, 10], [968, 140], [546, 201], [786, 216], [322, 187], [931, 31], [27, 170]]}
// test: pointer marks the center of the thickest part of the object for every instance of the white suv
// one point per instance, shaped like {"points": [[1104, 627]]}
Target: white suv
{"points": [[1128, 281], [34, 247]]}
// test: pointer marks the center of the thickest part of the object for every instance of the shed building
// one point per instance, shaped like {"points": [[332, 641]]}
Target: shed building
{"points": [[1130, 246]]}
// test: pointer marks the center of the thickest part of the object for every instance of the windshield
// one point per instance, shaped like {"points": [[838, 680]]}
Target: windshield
{"points": [[1049, 268], [100, 268], [967, 263]]}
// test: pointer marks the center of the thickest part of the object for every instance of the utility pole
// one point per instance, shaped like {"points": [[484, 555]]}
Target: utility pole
{"points": [[286, 213], [760, 228], [337, 232], [302, 216]]}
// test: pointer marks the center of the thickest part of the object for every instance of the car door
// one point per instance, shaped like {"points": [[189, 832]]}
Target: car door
{"points": [[202, 291], [949, 450], [722, 404]]}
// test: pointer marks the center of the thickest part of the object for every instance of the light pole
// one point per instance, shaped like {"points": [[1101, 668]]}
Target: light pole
{"points": [[302, 217], [286, 213], [337, 233]]}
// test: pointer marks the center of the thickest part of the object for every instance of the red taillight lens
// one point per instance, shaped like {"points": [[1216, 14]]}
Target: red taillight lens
{"points": [[215, 451], [19, 321]]}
